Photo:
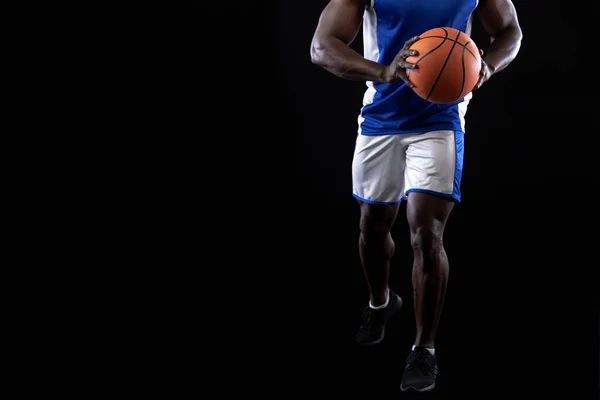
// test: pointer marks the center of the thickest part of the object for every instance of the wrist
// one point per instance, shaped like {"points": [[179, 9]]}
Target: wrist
{"points": [[489, 66], [383, 74]]}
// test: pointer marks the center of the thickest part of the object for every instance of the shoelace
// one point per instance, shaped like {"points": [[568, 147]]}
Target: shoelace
{"points": [[368, 318], [422, 360]]}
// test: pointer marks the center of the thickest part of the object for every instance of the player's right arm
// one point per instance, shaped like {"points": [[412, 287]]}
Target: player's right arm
{"points": [[338, 26]]}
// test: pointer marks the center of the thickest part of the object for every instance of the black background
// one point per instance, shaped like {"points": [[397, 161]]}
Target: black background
{"points": [[521, 315]]}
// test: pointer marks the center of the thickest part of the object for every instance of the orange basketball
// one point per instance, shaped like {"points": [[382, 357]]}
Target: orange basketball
{"points": [[448, 65]]}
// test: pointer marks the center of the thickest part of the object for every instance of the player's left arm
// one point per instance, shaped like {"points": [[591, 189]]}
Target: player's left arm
{"points": [[499, 19]]}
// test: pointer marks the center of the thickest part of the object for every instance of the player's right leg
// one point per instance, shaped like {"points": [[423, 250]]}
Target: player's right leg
{"points": [[378, 178]]}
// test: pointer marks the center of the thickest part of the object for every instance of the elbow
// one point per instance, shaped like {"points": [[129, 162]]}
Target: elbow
{"points": [[511, 33], [518, 38], [518, 33], [317, 51], [515, 32]]}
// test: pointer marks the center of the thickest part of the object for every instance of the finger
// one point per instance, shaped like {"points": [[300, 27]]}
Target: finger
{"points": [[411, 41], [406, 65], [409, 83], [405, 53], [410, 52], [404, 77]]}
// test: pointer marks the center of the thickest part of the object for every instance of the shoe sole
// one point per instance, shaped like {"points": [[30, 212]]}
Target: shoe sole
{"points": [[427, 389], [385, 321]]}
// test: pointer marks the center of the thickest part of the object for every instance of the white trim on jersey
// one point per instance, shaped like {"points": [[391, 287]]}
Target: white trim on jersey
{"points": [[371, 52], [462, 106]]}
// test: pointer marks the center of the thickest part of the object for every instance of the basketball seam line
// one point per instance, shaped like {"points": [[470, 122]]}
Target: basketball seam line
{"points": [[452, 40], [444, 66], [462, 86], [430, 51]]}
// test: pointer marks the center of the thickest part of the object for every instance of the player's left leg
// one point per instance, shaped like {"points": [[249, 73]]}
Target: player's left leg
{"points": [[433, 170], [427, 215]]}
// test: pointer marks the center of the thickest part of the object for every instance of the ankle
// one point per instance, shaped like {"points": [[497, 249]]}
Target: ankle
{"points": [[427, 345], [430, 348], [380, 300]]}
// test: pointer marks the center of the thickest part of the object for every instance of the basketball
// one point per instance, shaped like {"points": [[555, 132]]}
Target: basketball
{"points": [[448, 65]]}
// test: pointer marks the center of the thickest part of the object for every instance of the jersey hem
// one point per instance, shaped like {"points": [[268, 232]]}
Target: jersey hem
{"points": [[407, 132]]}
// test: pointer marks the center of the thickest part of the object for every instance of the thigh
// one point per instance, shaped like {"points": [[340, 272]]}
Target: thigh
{"points": [[378, 169], [428, 212], [434, 163]]}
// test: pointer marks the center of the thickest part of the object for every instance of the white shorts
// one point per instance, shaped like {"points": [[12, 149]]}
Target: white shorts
{"points": [[386, 168]]}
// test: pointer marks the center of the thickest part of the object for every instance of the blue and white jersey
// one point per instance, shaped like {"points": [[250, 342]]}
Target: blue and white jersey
{"points": [[394, 108]]}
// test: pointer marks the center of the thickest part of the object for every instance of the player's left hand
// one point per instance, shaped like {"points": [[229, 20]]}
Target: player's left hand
{"points": [[484, 74]]}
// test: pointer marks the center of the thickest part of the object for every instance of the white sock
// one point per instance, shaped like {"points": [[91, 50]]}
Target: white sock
{"points": [[384, 305], [430, 350]]}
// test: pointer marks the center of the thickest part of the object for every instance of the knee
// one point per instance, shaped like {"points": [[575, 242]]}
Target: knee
{"points": [[427, 239], [375, 226]]}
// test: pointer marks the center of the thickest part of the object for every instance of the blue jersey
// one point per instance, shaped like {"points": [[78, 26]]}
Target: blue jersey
{"points": [[393, 108]]}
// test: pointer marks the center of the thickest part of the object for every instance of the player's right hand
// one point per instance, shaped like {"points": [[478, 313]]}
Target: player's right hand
{"points": [[397, 69]]}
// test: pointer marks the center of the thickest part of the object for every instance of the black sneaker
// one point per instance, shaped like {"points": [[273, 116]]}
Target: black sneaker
{"points": [[420, 371], [372, 330]]}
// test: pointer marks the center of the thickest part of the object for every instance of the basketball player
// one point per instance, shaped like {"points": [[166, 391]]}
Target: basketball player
{"points": [[407, 148]]}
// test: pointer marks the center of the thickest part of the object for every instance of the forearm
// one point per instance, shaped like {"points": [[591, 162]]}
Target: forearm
{"points": [[338, 58], [503, 49]]}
